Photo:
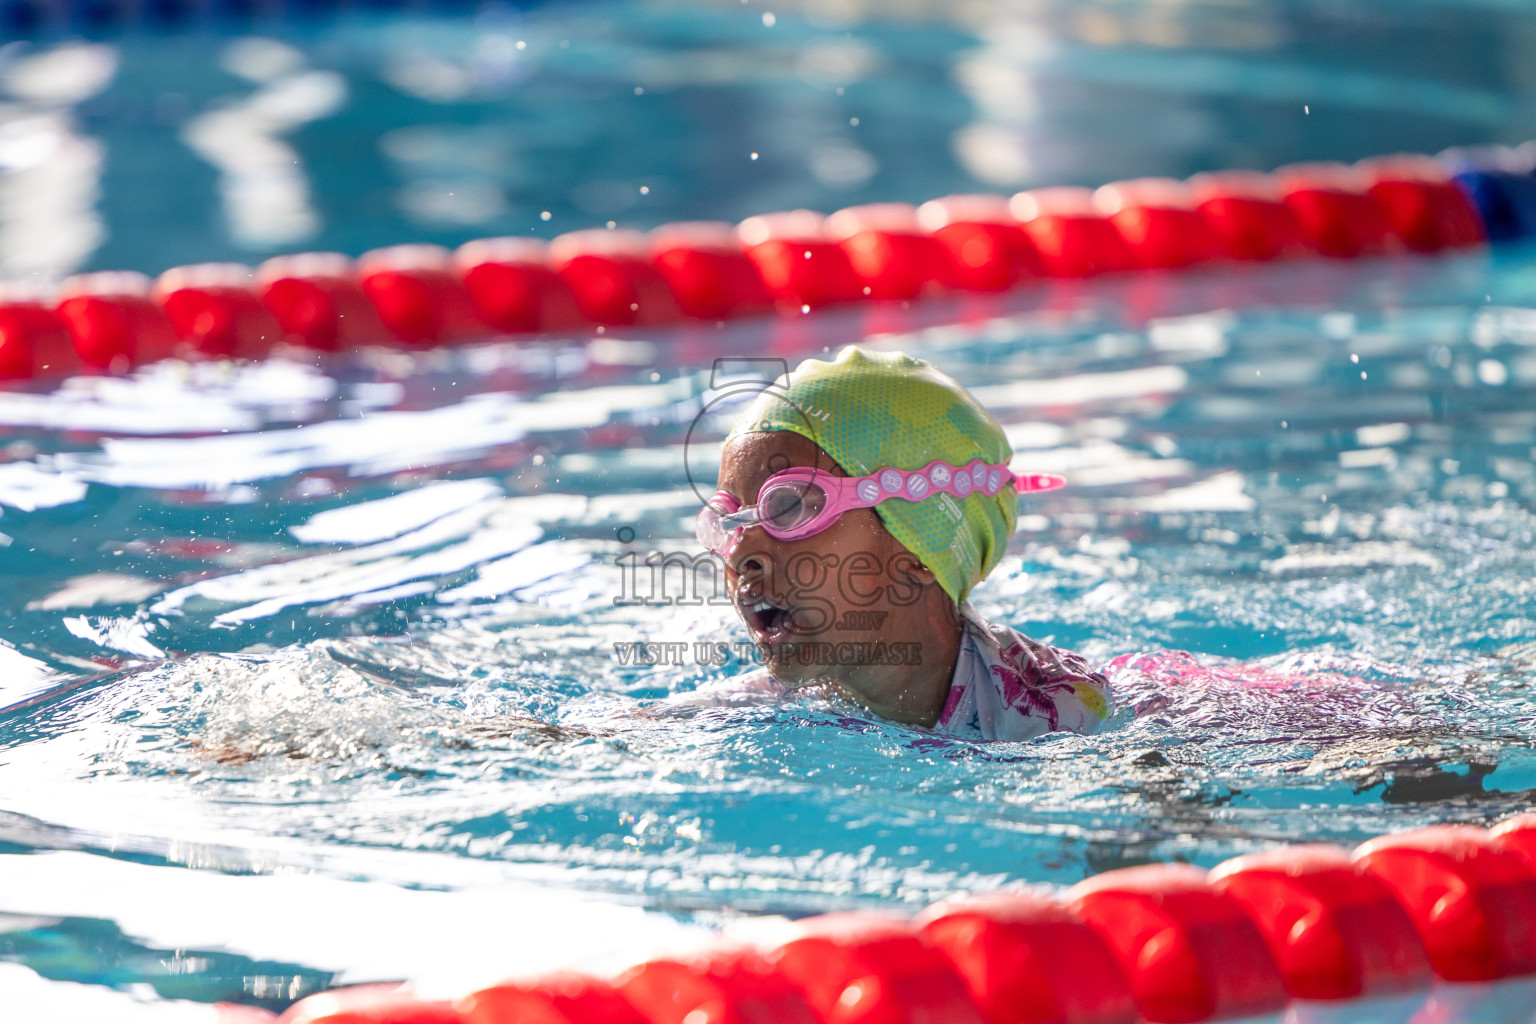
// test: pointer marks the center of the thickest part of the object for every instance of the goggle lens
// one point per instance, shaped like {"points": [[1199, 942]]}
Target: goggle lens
{"points": [[784, 508], [707, 527]]}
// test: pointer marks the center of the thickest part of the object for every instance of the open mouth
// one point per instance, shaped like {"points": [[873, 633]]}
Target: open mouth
{"points": [[767, 620]]}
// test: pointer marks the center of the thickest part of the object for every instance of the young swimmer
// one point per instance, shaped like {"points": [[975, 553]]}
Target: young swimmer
{"points": [[851, 569]]}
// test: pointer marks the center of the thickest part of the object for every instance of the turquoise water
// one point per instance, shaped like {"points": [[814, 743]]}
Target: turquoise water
{"points": [[356, 623], [245, 657]]}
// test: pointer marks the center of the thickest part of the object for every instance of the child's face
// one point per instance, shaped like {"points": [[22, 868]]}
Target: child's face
{"points": [[849, 606]]}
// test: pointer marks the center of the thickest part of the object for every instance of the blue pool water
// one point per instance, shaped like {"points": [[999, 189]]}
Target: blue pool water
{"points": [[291, 650], [240, 651]]}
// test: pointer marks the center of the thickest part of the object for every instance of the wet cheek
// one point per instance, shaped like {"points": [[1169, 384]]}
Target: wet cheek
{"points": [[855, 580]]}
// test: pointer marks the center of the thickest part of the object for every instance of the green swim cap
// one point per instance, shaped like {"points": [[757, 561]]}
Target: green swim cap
{"points": [[869, 410]]}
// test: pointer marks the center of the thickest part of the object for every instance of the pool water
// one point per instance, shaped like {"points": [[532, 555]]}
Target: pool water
{"points": [[297, 652], [370, 628]]}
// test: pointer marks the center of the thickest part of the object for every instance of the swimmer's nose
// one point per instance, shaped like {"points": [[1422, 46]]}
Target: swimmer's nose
{"points": [[751, 564]]}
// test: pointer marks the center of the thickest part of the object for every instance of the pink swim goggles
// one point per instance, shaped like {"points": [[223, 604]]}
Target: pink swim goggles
{"points": [[802, 502]]}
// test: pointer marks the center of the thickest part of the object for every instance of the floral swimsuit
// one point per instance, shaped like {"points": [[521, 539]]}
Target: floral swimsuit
{"points": [[1009, 687]]}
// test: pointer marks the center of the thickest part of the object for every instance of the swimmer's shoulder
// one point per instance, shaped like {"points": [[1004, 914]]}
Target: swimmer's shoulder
{"points": [[1023, 687]]}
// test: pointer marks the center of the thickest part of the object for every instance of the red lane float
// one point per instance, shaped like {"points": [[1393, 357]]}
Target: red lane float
{"points": [[795, 261], [512, 287], [1069, 232], [1157, 221], [556, 999], [986, 247], [33, 342], [417, 295], [1421, 204], [710, 277], [318, 302], [872, 969], [112, 321], [801, 266], [213, 308], [732, 986], [1518, 834], [1190, 953], [1471, 898], [1244, 211], [1027, 959], [1336, 213], [1335, 931], [892, 257], [611, 275]]}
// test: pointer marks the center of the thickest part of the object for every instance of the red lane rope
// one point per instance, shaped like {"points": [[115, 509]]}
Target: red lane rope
{"points": [[1163, 943], [420, 296]]}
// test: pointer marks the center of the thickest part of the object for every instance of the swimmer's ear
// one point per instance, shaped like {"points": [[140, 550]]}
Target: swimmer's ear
{"points": [[911, 570]]}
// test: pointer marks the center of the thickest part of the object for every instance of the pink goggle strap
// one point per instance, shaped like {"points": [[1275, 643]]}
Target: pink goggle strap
{"points": [[941, 477]]}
